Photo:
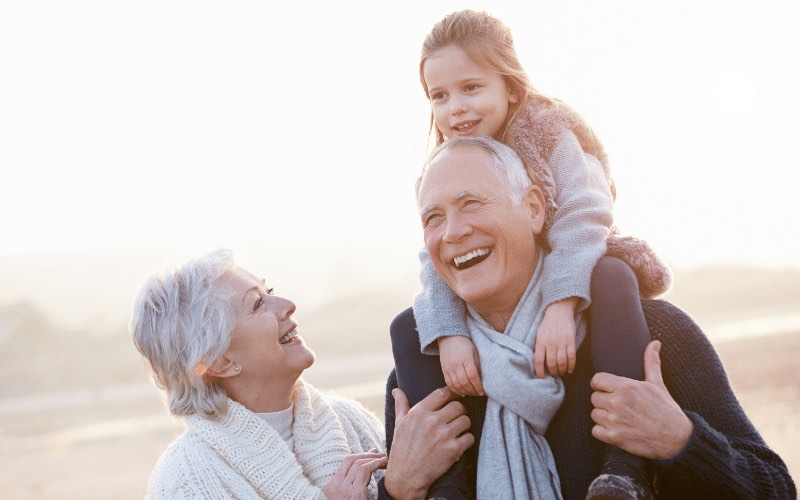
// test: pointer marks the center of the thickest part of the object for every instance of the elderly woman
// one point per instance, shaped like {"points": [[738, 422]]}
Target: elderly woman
{"points": [[229, 356]]}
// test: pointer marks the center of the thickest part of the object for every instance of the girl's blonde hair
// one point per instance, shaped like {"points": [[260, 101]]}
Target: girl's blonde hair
{"points": [[487, 41]]}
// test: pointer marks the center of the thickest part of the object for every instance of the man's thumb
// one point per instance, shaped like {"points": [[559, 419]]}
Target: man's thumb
{"points": [[400, 403], [652, 363]]}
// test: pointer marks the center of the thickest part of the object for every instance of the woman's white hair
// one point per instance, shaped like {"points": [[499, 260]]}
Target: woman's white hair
{"points": [[506, 164], [182, 320]]}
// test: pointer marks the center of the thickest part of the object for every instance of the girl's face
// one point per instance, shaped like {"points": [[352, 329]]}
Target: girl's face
{"points": [[466, 98]]}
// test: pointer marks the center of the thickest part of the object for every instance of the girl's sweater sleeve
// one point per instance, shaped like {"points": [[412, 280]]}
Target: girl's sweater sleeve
{"points": [[580, 225], [437, 309]]}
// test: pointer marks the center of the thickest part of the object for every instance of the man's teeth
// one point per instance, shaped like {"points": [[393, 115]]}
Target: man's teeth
{"points": [[480, 252], [289, 336]]}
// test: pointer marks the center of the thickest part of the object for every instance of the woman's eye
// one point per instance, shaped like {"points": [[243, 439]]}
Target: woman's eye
{"points": [[258, 303]]}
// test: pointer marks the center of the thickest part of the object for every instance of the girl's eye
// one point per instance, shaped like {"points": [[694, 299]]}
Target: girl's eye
{"points": [[470, 87], [437, 95], [258, 303]]}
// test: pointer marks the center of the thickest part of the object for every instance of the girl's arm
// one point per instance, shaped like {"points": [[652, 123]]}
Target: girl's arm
{"points": [[581, 224], [438, 311]]}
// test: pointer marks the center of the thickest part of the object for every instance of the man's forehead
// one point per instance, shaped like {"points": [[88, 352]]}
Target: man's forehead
{"points": [[450, 182]]}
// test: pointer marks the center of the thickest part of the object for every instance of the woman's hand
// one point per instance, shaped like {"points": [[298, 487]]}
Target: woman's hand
{"points": [[351, 479]]}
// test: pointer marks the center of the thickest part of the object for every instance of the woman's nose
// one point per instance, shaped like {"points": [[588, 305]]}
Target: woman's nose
{"points": [[286, 308]]}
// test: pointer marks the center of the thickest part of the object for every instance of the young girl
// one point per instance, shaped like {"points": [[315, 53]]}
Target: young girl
{"points": [[471, 74]]}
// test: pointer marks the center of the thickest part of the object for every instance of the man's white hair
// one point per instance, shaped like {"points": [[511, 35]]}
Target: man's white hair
{"points": [[505, 163], [182, 318]]}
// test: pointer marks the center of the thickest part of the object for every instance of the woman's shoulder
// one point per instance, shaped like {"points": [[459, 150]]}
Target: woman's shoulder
{"points": [[170, 474]]}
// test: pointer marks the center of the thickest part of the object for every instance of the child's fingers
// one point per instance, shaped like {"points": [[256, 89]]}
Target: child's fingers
{"points": [[562, 360], [475, 380], [552, 360], [538, 359], [571, 357]]}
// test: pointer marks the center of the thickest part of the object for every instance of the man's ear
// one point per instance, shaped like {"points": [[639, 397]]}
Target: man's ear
{"points": [[534, 198], [221, 368]]}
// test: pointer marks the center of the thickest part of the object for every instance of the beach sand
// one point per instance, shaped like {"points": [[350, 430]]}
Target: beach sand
{"points": [[107, 448]]}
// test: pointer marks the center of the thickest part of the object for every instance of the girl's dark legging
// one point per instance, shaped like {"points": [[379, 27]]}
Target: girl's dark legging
{"points": [[619, 330]]}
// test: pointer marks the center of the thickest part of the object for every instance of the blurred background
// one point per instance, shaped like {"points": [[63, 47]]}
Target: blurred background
{"points": [[133, 134]]}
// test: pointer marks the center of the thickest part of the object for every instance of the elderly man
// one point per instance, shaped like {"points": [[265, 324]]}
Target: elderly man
{"points": [[474, 197]]}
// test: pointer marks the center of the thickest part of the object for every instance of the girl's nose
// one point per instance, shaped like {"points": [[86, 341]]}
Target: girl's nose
{"points": [[457, 106]]}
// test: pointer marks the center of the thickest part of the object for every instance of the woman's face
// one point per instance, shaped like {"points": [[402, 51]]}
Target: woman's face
{"points": [[467, 99], [265, 341]]}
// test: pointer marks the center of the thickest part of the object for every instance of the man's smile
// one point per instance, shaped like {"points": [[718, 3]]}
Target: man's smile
{"points": [[471, 258]]}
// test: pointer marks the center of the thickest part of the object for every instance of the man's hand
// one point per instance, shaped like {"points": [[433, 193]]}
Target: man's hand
{"points": [[428, 439], [640, 416], [352, 478], [555, 339], [460, 365]]}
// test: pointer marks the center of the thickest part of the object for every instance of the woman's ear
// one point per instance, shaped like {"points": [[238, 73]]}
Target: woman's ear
{"points": [[513, 98], [222, 368]]}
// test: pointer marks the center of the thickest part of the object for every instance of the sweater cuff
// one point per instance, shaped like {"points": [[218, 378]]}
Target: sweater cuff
{"points": [[705, 461]]}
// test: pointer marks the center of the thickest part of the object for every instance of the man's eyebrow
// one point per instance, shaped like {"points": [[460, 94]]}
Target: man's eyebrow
{"points": [[427, 209], [254, 288], [468, 194], [460, 196]]}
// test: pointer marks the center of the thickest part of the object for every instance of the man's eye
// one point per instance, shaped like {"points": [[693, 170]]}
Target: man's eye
{"points": [[433, 219], [259, 302], [270, 291]]}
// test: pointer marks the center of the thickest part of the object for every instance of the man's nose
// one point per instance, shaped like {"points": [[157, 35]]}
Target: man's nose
{"points": [[456, 229]]}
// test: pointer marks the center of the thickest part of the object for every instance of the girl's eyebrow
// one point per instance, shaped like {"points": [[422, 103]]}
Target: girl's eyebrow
{"points": [[459, 82]]}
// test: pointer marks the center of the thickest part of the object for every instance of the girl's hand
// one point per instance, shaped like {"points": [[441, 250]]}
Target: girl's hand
{"points": [[351, 479], [555, 339], [460, 365]]}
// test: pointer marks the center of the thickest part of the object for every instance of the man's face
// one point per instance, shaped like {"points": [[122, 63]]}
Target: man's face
{"points": [[481, 244]]}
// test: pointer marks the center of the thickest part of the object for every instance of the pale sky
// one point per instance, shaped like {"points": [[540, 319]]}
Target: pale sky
{"points": [[301, 127]]}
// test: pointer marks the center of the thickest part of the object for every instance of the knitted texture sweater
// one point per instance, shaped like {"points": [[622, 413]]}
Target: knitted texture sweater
{"points": [[725, 456], [239, 455]]}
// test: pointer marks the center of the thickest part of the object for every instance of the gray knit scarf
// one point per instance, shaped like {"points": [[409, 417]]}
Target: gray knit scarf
{"points": [[514, 459]]}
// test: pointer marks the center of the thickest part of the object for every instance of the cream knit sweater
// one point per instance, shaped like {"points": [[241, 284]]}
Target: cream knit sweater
{"points": [[241, 456]]}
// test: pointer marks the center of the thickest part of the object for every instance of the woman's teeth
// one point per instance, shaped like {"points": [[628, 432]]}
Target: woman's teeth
{"points": [[289, 336]]}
